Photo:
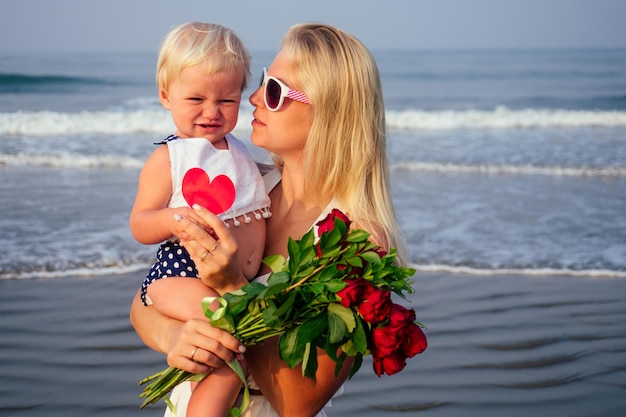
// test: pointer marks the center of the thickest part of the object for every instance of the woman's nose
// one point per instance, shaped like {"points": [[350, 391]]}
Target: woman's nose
{"points": [[256, 97]]}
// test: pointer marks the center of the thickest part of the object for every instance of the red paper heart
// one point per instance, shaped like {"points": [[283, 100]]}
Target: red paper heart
{"points": [[217, 195]]}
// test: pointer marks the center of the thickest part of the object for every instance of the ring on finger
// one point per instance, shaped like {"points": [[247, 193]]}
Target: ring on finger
{"points": [[193, 352], [214, 247], [204, 256]]}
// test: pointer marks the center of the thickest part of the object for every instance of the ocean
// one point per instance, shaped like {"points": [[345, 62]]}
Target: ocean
{"points": [[508, 173], [500, 160]]}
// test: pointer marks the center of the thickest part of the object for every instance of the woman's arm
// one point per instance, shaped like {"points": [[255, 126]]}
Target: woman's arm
{"points": [[290, 393], [178, 340]]}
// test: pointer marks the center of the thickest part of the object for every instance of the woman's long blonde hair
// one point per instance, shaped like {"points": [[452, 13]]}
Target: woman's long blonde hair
{"points": [[345, 155]]}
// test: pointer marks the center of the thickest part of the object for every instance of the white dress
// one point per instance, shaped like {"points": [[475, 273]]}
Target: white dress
{"points": [[259, 405]]}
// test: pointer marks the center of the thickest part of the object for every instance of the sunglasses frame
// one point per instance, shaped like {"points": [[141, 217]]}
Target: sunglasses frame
{"points": [[285, 92]]}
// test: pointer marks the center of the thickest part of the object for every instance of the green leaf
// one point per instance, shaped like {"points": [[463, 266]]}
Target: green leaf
{"points": [[358, 235], [253, 289], [356, 261], [275, 262], [339, 363], [285, 309], [219, 318], [310, 329], [308, 239], [317, 288], [278, 278], [333, 237], [345, 314], [359, 338], [290, 349], [336, 328], [294, 254], [335, 285], [341, 225], [270, 317], [330, 252], [305, 272], [356, 365], [307, 255], [275, 288], [309, 363], [327, 273], [371, 257]]}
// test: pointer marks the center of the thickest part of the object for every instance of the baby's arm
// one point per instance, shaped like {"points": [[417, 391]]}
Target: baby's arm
{"points": [[150, 220]]}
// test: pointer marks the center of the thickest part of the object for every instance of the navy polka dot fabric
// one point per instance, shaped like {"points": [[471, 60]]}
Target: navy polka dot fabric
{"points": [[173, 260]]}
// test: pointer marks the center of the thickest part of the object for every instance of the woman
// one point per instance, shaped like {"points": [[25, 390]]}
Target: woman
{"points": [[319, 112]]}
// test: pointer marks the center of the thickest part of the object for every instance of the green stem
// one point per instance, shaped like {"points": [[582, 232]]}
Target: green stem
{"points": [[303, 280]]}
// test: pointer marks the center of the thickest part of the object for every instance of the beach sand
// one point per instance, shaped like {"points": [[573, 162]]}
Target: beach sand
{"points": [[498, 346]]}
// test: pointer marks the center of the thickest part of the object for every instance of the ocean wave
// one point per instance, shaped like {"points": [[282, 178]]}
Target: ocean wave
{"points": [[487, 169], [49, 123], [466, 270], [502, 118], [78, 161], [71, 160], [16, 83], [116, 268], [76, 272]]}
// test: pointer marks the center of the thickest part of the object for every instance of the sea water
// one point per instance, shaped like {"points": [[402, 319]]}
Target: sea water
{"points": [[501, 161]]}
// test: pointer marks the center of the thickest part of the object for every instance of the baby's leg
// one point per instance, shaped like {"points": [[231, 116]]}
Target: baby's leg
{"points": [[179, 297], [215, 395]]}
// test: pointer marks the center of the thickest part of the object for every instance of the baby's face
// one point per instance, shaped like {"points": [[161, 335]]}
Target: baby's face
{"points": [[204, 105]]}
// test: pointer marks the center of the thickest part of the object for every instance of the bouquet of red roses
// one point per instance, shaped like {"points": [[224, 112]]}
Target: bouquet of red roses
{"points": [[332, 292]]}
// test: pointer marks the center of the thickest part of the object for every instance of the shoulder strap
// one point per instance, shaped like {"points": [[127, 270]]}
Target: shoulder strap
{"points": [[167, 139], [271, 179]]}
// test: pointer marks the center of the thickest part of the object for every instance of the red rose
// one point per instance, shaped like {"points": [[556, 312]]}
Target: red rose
{"points": [[414, 341], [381, 252], [328, 223], [384, 341], [399, 316], [354, 292], [389, 365], [318, 251], [376, 306]]}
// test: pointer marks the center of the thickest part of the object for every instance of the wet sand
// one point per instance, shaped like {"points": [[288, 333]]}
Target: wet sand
{"points": [[498, 346]]}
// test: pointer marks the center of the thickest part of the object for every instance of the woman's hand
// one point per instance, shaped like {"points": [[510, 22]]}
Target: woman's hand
{"points": [[214, 250], [194, 346], [198, 347]]}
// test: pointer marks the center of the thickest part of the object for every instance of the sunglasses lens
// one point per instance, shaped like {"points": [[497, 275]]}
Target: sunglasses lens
{"points": [[272, 94]]}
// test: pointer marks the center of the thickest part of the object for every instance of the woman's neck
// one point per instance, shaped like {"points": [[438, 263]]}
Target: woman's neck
{"points": [[294, 210]]}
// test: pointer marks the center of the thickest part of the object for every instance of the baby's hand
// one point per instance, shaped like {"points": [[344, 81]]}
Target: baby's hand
{"points": [[175, 228], [189, 213]]}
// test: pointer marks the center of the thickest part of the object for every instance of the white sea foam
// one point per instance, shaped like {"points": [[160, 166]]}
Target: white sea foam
{"points": [[511, 169], [48, 123], [87, 271], [77, 272], [502, 118], [70, 160], [464, 270]]}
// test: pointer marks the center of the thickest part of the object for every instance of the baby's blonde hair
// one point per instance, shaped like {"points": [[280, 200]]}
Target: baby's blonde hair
{"points": [[345, 155], [216, 46]]}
